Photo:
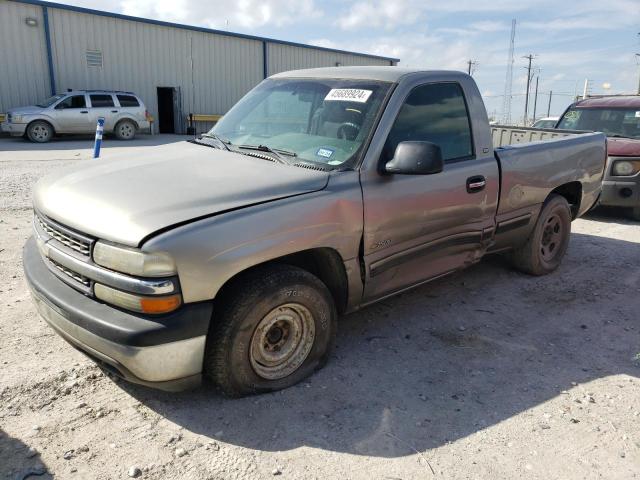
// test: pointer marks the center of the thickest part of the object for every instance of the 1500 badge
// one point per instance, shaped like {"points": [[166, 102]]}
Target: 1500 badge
{"points": [[381, 244]]}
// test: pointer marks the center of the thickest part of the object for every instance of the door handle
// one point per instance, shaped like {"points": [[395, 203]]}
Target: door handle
{"points": [[476, 184], [114, 111], [84, 111]]}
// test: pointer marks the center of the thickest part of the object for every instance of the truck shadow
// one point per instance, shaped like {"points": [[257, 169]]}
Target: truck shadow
{"points": [[445, 360], [16, 461]]}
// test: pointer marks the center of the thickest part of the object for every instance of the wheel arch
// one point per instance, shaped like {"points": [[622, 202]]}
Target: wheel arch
{"points": [[123, 119], [45, 120], [572, 192], [323, 262]]}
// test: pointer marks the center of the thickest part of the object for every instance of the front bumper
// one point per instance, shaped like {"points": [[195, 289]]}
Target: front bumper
{"points": [[14, 129], [621, 193], [164, 352]]}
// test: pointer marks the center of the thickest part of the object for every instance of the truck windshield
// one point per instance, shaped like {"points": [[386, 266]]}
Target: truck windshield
{"points": [[318, 120], [613, 122], [49, 101]]}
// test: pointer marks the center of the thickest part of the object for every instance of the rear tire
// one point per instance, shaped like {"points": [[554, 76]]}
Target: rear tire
{"points": [[39, 131], [547, 244], [125, 130], [275, 327]]}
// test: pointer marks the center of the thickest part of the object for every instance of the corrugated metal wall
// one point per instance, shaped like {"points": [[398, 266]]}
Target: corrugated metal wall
{"points": [[281, 57], [140, 57], [24, 77], [212, 71]]}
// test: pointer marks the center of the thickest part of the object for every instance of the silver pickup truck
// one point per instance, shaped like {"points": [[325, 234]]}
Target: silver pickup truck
{"points": [[320, 192]]}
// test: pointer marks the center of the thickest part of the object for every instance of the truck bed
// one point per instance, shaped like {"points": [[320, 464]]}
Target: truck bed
{"points": [[529, 171], [509, 135]]}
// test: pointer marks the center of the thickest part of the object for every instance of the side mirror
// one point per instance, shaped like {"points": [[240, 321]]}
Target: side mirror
{"points": [[416, 158]]}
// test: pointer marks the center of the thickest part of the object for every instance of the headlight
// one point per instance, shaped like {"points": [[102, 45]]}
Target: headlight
{"points": [[133, 261], [137, 303], [625, 168]]}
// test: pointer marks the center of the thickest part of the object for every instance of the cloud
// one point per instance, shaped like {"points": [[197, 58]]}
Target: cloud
{"points": [[384, 14], [245, 14]]}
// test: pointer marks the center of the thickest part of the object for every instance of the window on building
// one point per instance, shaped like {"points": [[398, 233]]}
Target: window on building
{"points": [[101, 101], [434, 113], [128, 101], [73, 101]]}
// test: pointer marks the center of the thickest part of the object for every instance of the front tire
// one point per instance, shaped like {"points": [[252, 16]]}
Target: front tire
{"points": [[125, 130], [275, 327], [545, 248], [39, 131]]}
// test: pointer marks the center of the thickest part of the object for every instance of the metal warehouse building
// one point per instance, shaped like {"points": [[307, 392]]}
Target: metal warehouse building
{"points": [[47, 48]]}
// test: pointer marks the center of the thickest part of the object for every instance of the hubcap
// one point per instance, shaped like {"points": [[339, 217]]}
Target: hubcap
{"points": [[126, 130], [282, 341], [551, 238], [40, 132]]}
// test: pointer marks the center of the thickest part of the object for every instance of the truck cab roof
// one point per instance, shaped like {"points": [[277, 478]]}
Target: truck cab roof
{"points": [[381, 74], [618, 101]]}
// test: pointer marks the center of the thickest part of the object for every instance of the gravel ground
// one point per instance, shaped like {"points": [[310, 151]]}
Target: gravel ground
{"points": [[485, 374]]}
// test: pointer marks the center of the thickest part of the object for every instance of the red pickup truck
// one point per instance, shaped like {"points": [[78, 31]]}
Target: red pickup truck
{"points": [[618, 117]]}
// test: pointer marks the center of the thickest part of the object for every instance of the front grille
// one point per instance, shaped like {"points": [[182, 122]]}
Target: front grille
{"points": [[75, 276], [66, 237]]}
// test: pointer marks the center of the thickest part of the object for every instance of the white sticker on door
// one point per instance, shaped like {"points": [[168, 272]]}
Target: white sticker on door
{"points": [[348, 95]]}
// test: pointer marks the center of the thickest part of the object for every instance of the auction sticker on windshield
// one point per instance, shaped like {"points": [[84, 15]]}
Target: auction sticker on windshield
{"points": [[348, 95]]}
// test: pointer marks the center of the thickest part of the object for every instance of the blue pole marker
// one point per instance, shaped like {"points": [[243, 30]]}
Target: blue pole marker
{"points": [[98, 142]]}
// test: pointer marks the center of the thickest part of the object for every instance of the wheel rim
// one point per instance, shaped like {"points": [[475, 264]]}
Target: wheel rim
{"points": [[40, 132], [126, 130], [282, 341], [552, 237]]}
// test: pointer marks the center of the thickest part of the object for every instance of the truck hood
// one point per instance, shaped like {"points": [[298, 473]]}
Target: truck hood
{"points": [[623, 147], [30, 110], [126, 199]]}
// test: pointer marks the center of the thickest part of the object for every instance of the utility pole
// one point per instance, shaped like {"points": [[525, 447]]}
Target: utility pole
{"points": [[585, 90], [526, 100], [549, 106], [508, 83], [535, 100], [471, 63], [638, 62]]}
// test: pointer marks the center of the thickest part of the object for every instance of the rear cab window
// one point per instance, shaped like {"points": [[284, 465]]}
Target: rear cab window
{"points": [[101, 100], [128, 101], [436, 113]]}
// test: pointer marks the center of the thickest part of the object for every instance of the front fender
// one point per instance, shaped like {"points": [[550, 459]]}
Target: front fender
{"points": [[211, 251]]}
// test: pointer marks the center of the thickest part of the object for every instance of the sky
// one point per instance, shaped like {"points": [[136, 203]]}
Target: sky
{"points": [[571, 40]]}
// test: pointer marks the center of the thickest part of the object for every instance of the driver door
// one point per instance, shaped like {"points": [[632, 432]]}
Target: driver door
{"points": [[418, 227], [72, 114]]}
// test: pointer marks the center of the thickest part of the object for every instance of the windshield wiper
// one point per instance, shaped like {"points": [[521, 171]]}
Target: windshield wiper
{"points": [[225, 143], [278, 152], [617, 135]]}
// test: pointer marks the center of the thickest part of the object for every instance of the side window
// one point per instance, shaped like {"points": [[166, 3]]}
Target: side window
{"points": [[128, 101], [101, 101], [74, 101], [434, 113]]}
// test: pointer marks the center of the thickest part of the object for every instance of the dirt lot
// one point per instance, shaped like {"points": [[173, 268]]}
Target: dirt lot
{"points": [[486, 374]]}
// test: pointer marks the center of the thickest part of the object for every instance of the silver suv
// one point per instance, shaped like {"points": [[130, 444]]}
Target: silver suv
{"points": [[78, 112]]}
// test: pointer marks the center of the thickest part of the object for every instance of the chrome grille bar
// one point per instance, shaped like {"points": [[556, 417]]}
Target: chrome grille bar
{"points": [[68, 238]]}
